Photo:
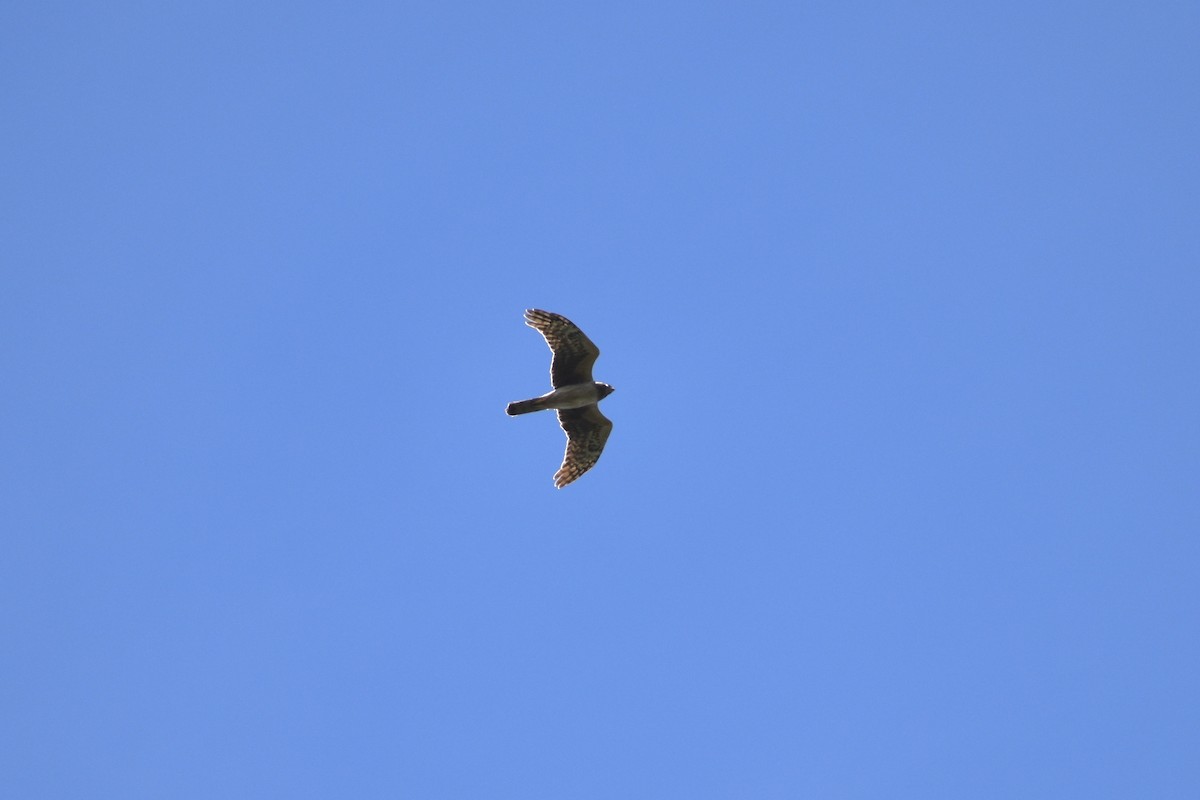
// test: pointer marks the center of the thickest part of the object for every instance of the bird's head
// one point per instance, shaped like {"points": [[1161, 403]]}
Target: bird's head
{"points": [[604, 389]]}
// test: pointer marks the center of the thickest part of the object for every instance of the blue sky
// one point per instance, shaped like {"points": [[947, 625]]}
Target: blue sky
{"points": [[899, 301]]}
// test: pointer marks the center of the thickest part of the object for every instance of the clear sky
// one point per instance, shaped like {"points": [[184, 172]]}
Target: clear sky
{"points": [[902, 307]]}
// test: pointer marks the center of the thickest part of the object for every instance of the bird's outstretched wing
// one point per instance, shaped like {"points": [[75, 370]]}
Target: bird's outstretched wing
{"points": [[587, 431], [574, 353]]}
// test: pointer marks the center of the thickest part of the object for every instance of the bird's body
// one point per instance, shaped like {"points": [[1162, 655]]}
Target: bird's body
{"points": [[575, 395]]}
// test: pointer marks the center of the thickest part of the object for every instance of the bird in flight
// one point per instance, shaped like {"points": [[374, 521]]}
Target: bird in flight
{"points": [[575, 395]]}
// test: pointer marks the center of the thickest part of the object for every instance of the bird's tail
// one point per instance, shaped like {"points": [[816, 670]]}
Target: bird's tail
{"points": [[524, 407]]}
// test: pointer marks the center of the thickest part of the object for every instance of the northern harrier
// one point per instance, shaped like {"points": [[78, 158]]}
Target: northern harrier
{"points": [[575, 394]]}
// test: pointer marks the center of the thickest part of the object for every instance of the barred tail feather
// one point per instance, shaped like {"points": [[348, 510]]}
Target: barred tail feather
{"points": [[524, 407]]}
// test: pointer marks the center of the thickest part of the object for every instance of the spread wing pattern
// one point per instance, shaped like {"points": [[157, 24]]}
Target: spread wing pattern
{"points": [[574, 353], [587, 431]]}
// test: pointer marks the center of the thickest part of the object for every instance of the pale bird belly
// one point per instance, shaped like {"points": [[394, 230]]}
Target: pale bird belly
{"points": [[574, 396]]}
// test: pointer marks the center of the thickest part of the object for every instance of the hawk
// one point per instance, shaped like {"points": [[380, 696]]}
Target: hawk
{"points": [[575, 394]]}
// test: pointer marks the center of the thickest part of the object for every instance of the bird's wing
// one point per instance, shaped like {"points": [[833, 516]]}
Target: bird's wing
{"points": [[587, 431], [574, 353]]}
